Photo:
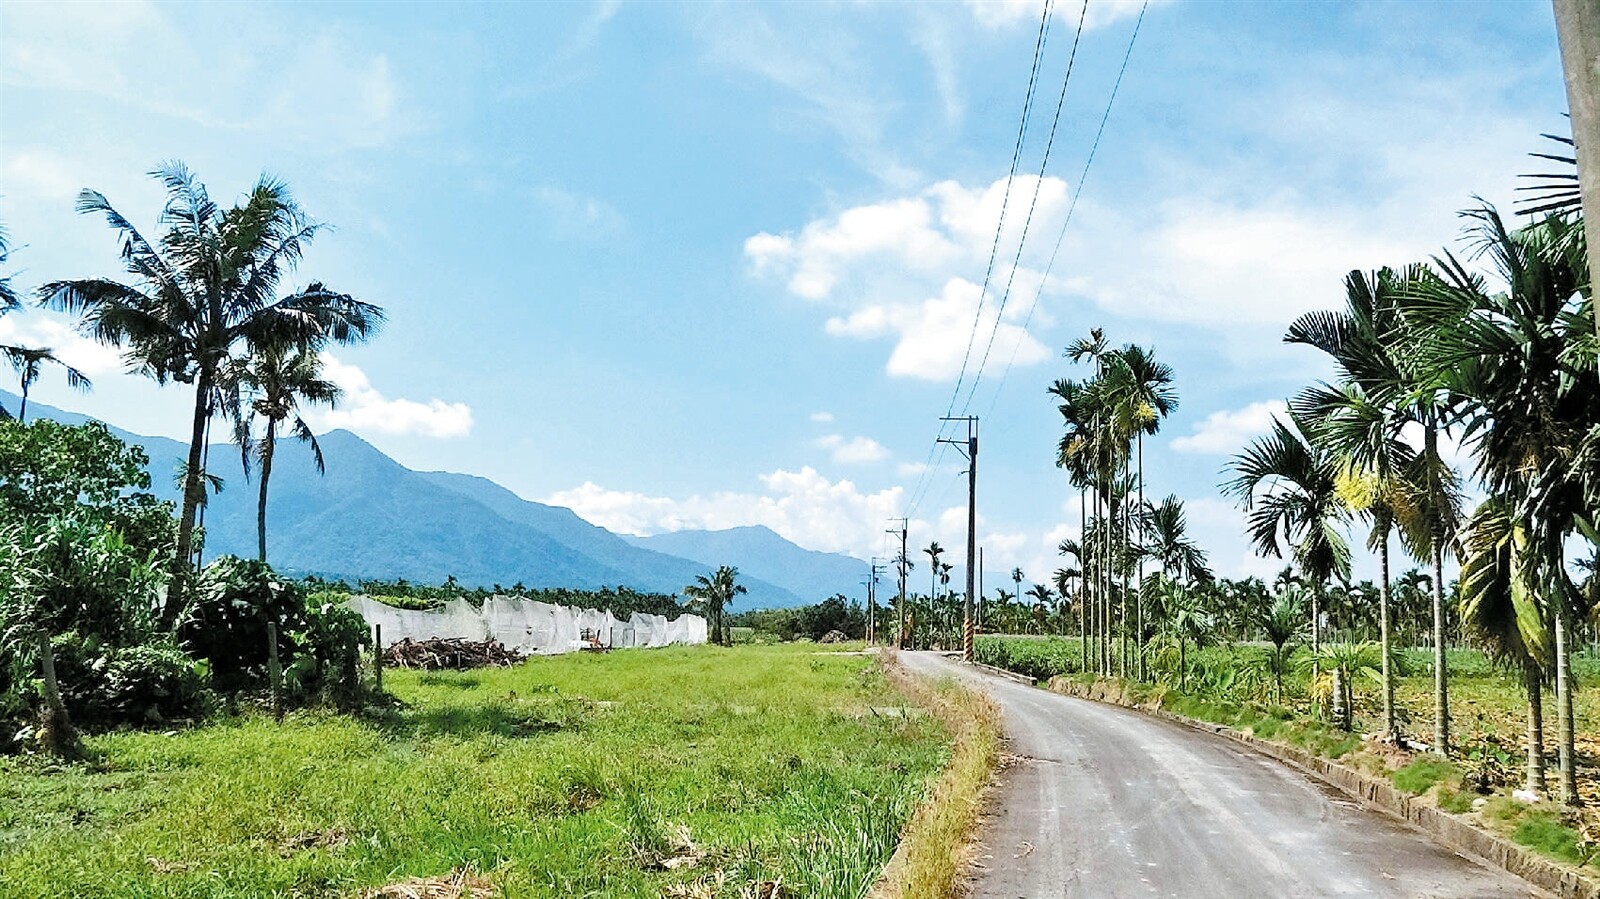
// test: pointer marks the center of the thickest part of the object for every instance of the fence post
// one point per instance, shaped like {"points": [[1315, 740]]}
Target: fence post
{"points": [[274, 670], [377, 654]]}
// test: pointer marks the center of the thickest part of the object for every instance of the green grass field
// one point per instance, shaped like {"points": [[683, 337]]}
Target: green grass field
{"points": [[578, 775]]}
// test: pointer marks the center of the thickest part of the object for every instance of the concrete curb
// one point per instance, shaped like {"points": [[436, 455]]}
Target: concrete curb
{"points": [[1001, 672], [1455, 834]]}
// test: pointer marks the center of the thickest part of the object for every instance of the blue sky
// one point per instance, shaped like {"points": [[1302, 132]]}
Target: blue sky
{"points": [[717, 264]]}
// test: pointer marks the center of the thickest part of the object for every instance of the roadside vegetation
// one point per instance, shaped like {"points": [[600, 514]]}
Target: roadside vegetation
{"points": [[1464, 691], [580, 774]]}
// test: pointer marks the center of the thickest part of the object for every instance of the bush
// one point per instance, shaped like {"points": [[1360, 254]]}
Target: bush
{"points": [[319, 643], [155, 684]]}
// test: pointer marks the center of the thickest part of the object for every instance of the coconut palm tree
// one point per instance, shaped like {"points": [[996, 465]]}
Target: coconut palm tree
{"points": [[714, 594], [200, 297], [1530, 406], [1289, 487], [280, 380], [26, 362], [933, 551]]}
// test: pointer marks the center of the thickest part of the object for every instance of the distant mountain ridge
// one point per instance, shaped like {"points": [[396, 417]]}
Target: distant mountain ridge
{"points": [[759, 552], [371, 517]]}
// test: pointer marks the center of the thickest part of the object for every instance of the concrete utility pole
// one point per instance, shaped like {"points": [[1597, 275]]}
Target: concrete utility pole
{"points": [[900, 603], [972, 524], [1578, 30], [872, 601]]}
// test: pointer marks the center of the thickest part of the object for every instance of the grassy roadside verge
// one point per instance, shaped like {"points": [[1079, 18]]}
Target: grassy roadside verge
{"points": [[683, 772], [933, 848]]}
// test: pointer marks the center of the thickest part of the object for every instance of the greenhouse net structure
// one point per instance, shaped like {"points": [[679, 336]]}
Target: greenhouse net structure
{"points": [[528, 627]]}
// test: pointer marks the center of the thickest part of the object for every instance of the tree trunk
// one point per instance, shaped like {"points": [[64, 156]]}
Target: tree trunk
{"points": [[1143, 673], [1441, 687], [1341, 709], [1564, 722], [192, 495], [1391, 728], [22, 411], [1535, 781], [266, 475]]}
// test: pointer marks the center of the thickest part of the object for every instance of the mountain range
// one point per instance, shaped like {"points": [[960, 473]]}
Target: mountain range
{"points": [[371, 517]]}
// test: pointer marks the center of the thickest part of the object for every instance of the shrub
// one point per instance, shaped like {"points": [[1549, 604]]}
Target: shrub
{"points": [[155, 684], [319, 643]]}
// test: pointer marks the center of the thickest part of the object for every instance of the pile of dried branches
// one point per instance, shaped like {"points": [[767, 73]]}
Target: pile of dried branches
{"points": [[450, 652]]}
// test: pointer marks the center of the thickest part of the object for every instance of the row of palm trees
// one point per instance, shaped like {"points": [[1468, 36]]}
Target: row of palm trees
{"points": [[1106, 418], [205, 304], [1507, 368]]}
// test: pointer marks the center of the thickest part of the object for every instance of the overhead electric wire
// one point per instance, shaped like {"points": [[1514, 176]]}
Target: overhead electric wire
{"points": [[934, 449], [1033, 204], [1073, 206]]}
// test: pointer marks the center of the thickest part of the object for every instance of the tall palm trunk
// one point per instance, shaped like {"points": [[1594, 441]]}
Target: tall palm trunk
{"points": [[1535, 781], [1107, 611], [192, 497], [1084, 593], [1143, 673], [22, 411], [1441, 688], [266, 475], [1564, 728], [1390, 728]]}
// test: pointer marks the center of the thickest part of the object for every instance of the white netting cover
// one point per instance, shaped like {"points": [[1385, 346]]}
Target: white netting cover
{"points": [[527, 626]]}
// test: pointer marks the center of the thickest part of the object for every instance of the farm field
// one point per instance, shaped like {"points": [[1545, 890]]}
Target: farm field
{"points": [[682, 772]]}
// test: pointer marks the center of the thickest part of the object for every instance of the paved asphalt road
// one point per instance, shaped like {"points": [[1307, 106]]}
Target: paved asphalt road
{"points": [[1106, 802]]}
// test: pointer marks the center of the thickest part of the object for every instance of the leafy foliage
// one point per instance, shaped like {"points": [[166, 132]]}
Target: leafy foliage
{"points": [[319, 643]]}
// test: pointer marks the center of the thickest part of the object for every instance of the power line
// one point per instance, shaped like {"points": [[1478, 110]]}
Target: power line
{"points": [[1016, 155], [1073, 206], [1033, 204]]}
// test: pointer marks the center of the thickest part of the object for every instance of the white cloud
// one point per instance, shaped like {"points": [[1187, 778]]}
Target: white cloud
{"points": [[911, 469], [932, 338], [908, 268], [363, 408], [43, 330], [803, 506], [853, 450], [822, 417], [1229, 431]]}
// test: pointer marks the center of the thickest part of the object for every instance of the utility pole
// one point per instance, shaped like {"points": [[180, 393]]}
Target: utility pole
{"points": [[971, 452], [900, 603], [1578, 31], [872, 602]]}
